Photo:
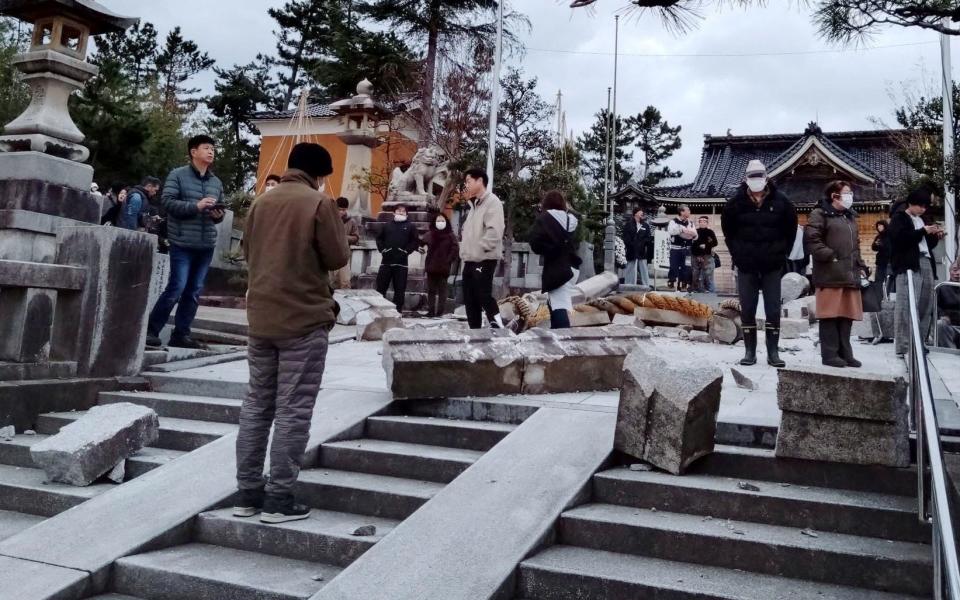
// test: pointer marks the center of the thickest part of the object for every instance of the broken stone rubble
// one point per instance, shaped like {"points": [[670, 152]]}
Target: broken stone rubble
{"points": [[668, 410], [96, 443], [792, 287], [372, 314], [444, 363]]}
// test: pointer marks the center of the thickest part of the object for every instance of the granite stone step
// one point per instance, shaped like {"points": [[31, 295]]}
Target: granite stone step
{"points": [[199, 408], [202, 571], [364, 493], [473, 410], [12, 522], [571, 573], [148, 459], [398, 459], [833, 558], [16, 452], [175, 434], [433, 431], [823, 509], [114, 597], [191, 386], [325, 537], [26, 490], [760, 464]]}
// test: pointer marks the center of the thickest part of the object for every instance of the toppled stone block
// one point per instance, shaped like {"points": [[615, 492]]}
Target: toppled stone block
{"points": [[834, 439], [791, 329], [668, 410], [798, 309], [372, 314], [624, 320], [850, 393], [792, 287], [92, 445], [576, 360], [701, 337], [843, 415], [7, 432], [443, 363]]}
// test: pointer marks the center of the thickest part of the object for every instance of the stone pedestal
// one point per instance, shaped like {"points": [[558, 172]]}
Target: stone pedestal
{"points": [[113, 310], [443, 363], [577, 360], [668, 410], [843, 415]]}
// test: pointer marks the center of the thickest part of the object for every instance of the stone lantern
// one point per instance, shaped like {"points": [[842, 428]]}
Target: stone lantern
{"points": [[54, 67], [360, 117]]}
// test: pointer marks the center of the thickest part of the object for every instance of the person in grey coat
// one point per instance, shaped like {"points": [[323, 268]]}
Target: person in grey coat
{"points": [[193, 199]]}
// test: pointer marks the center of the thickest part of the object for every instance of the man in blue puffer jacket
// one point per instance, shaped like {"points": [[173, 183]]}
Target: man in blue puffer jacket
{"points": [[193, 199]]}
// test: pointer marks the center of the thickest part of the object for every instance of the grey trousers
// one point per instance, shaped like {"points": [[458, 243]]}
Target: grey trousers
{"points": [[285, 377], [923, 283]]}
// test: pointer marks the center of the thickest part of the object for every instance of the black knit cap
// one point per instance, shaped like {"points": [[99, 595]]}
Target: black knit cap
{"points": [[312, 159]]}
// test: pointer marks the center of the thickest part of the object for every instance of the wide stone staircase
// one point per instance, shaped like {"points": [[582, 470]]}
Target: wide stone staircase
{"points": [[742, 525], [377, 480]]}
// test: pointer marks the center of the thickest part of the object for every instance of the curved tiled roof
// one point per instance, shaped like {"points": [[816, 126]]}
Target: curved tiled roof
{"points": [[314, 111], [725, 158]]}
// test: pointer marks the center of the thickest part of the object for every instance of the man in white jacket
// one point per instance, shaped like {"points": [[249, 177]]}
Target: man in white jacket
{"points": [[481, 250], [682, 235]]}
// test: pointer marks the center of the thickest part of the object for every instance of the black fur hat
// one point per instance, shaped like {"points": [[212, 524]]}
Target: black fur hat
{"points": [[312, 159]]}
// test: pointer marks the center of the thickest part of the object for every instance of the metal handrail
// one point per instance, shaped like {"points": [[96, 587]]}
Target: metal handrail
{"points": [[934, 504], [936, 308]]}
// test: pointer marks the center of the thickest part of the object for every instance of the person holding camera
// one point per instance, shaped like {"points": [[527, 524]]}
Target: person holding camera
{"points": [[193, 200], [912, 242]]}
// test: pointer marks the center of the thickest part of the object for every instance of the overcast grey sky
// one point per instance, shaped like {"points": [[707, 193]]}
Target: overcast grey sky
{"points": [[572, 51]]}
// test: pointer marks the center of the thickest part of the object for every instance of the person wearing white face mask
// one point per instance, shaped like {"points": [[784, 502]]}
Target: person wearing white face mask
{"points": [[442, 251], [396, 241], [831, 237], [760, 224]]}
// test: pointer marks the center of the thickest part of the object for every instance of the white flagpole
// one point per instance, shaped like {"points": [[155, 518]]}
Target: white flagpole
{"points": [[949, 199], [495, 95], [613, 128]]}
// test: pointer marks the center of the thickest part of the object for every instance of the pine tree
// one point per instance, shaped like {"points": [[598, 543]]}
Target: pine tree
{"points": [[593, 148], [303, 36], [14, 94], [239, 95], [178, 62], [657, 140]]}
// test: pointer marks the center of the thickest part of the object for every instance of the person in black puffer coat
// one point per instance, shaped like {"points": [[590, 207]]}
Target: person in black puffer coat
{"points": [[396, 241], [760, 224], [552, 237]]}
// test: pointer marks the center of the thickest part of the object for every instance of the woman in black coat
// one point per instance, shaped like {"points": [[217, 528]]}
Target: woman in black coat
{"points": [[552, 237], [443, 249]]}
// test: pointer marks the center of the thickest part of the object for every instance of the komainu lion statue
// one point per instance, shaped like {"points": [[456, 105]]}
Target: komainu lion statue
{"points": [[426, 168]]}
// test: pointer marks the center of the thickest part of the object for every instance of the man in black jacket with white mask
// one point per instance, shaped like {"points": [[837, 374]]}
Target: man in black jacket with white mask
{"points": [[759, 223]]}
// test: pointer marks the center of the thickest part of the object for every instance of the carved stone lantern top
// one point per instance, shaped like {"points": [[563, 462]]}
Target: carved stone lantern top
{"points": [[65, 26]]}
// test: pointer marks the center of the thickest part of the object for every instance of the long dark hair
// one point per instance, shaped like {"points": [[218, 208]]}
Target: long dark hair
{"points": [[553, 200], [835, 187]]}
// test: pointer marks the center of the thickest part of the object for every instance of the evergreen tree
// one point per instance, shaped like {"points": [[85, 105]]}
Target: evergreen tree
{"points": [[14, 94], [239, 95], [178, 62], [592, 146], [438, 27], [134, 50], [657, 140], [303, 36]]}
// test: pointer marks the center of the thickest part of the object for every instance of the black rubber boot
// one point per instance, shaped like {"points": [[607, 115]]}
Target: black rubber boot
{"points": [[559, 319], [772, 338], [844, 329], [830, 343], [749, 345]]}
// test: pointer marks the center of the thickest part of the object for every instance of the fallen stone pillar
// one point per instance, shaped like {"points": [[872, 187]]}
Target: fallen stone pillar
{"points": [[576, 360], [95, 443], [668, 410], [372, 314], [597, 286], [445, 363], [843, 415]]}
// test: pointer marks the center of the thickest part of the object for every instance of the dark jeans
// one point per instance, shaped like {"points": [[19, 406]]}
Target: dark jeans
{"points": [[478, 292], [188, 272], [678, 266], [396, 275], [881, 276], [436, 295], [285, 378], [750, 286]]}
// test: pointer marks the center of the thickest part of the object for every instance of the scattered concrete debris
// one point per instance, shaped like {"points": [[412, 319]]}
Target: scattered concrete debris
{"points": [[748, 487], [365, 531], [640, 467], [743, 381], [8, 432], [809, 533], [119, 472]]}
